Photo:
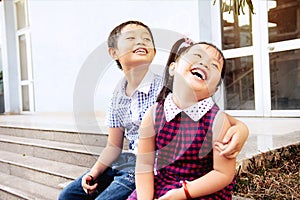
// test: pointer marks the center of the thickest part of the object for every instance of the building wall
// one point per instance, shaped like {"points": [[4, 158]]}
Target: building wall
{"points": [[64, 34]]}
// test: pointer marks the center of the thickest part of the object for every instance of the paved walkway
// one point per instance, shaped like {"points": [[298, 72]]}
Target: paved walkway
{"points": [[269, 133], [265, 133]]}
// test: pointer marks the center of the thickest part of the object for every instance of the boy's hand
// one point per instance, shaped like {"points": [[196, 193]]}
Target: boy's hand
{"points": [[233, 141], [88, 184]]}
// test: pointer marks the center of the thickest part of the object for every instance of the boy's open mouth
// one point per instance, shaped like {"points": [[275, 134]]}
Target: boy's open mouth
{"points": [[140, 51]]}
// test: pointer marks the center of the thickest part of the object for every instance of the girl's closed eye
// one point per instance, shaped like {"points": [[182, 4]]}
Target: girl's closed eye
{"points": [[215, 66], [198, 55], [130, 38]]}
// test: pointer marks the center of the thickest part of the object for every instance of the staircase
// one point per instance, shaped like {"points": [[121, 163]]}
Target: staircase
{"points": [[37, 164]]}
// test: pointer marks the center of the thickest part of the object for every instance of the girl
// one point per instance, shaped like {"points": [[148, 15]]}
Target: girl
{"points": [[177, 133]]}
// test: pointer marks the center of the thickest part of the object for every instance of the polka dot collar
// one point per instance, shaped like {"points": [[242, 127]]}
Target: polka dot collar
{"points": [[195, 112]]}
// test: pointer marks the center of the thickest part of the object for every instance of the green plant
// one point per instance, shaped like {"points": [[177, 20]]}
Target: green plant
{"points": [[237, 6]]}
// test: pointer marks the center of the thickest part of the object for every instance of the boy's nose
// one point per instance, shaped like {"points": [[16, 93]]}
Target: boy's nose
{"points": [[140, 41]]}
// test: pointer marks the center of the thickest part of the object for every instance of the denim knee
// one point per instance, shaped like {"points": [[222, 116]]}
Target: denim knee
{"points": [[73, 191]]}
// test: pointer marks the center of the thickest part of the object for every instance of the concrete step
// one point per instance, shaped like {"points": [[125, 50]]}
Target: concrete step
{"points": [[47, 172], [37, 163], [93, 139], [13, 187], [77, 154]]}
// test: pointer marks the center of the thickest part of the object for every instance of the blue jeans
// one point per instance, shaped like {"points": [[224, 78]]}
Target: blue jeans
{"points": [[116, 183]]}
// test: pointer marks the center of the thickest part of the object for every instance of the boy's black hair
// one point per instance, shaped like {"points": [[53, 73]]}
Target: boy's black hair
{"points": [[177, 50], [116, 32]]}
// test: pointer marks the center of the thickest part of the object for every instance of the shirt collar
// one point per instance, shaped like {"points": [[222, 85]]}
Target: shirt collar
{"points": [[195, 112], [146, 82], [144, 86]]}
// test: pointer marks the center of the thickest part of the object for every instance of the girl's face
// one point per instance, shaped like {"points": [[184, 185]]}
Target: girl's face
{"points": [[135, 47], [199, 69]]}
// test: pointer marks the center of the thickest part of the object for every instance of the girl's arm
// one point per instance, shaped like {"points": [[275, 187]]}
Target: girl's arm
{"points": [[109, 154], [144, 174], [234, 138]]}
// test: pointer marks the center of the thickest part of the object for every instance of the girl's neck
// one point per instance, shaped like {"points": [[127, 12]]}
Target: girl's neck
{"points": [[134, 77], [184, 99], [185, 96]]}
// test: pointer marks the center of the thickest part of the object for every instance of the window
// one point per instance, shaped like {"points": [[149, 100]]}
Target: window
{"points": [[263, 58], [284, 55], [237, 31], [24, 52], [283, 20], [239, 84]]}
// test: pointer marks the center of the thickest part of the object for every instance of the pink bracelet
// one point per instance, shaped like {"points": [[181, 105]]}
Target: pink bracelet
{"points": [[186, 191]]}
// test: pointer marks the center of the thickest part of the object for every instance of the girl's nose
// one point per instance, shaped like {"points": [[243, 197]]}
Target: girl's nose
{"points": [[204, 65]]}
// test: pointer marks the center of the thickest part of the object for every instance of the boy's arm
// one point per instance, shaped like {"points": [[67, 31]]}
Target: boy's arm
{"points": [[111, 151], [109, 154], [144, 174], [234, 138]]}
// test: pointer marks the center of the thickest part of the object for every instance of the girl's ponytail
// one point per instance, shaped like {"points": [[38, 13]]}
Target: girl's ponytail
{"points": [[177, 49]]}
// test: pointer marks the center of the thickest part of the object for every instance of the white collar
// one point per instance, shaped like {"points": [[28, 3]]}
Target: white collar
{"points": [[195, 112], [144, 86]]}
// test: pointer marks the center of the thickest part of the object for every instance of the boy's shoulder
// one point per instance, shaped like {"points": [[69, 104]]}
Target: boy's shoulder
{"points": [[120, 85], [119, 91], [151, 78], [157, 77]]}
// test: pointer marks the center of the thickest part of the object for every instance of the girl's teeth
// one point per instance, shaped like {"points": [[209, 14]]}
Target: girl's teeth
{"points": [[199, 74]]}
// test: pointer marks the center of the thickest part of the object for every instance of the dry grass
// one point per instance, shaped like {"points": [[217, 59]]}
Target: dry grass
{"points": [[271, 175]]}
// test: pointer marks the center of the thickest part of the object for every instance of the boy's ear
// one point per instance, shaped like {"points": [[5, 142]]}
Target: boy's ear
{"points": [[172, 68], [113, 53]]}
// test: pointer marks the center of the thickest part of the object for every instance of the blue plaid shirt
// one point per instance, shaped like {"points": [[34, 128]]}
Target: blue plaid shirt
{"points": [[127, 112]]}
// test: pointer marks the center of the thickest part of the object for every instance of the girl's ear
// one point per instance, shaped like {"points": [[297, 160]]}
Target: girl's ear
{"points": [[172, 68], [217, 87], [113, 53]]}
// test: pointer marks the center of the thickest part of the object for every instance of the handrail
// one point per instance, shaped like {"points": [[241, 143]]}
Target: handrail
{"points": [[240, 78]]}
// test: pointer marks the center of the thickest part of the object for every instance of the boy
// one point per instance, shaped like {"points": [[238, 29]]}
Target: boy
{"points": [[112, 177]]}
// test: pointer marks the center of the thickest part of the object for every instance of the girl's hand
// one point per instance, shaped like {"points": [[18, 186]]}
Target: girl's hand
{"points": [[87, 184], [174, 194]]}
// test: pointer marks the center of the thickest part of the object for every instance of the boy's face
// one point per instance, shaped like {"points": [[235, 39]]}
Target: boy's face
{"points": [[134, 47], [201, 68]]}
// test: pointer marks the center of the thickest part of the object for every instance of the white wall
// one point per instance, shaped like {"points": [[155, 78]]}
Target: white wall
{"points": [[65, 33]]}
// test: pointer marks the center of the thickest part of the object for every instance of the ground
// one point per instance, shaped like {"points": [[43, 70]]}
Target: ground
{"points": [[271, 175]]}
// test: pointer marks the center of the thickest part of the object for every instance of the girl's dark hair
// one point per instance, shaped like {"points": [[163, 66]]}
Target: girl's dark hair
{"points": [[116, 32], [180, 47]]}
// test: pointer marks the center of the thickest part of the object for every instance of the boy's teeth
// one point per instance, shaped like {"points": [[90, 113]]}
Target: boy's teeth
{"points": [[140, 51]]}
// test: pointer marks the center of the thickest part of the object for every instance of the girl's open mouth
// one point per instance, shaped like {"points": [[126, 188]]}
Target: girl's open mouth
{"points": [[199, 73]]}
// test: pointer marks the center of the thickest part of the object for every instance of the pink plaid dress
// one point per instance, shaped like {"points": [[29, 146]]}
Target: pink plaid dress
{"points": [[184, 152]]}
